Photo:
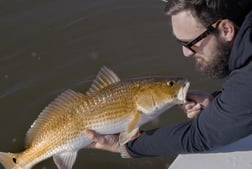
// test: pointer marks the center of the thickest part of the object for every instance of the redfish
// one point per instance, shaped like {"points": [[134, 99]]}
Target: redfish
{"points": [[110, 106]]}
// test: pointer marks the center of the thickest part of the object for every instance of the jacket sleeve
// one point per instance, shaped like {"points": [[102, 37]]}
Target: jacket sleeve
{"points": [[226, 119]]}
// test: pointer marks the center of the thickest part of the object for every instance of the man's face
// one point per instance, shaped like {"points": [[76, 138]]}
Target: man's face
{"points": [[211, 54]]}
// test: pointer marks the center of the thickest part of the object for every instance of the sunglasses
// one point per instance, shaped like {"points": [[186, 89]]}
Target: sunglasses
{"points": [[191, 44]]}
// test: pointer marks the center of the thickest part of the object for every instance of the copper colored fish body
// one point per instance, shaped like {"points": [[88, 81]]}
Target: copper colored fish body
{"points": [[110, 106]]}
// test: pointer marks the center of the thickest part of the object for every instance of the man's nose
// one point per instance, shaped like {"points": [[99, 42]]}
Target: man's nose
{"points": [[187, 52]]}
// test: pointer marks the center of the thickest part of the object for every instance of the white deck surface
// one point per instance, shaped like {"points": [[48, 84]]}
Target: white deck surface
{"points": [[237, 155]]}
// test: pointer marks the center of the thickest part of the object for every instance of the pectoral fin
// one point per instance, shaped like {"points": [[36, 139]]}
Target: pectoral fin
{"points": [[65, 160], [126, 137], [133, 122], [131, 130]]}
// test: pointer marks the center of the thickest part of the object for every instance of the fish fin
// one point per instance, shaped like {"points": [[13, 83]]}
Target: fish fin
{"points": [[127, 136], [53, 111], [65, 160], [131, 130], [8, 160], [104, 78], [134, 121]]}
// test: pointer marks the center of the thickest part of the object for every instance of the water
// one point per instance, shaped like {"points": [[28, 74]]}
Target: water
{"points": [[50, 46]]}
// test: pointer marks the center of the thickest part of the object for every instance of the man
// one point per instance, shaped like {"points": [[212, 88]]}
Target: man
{"points": [[218, 35]]}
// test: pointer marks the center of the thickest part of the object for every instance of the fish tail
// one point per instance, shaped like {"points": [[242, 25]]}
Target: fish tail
{"points": [[8, 160]]}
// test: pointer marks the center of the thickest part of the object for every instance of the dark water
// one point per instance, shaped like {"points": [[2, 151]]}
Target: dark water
{"points": [[49, 46]]}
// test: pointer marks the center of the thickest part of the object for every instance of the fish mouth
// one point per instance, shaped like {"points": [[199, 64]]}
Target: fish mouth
{"points": [[183, 92]]}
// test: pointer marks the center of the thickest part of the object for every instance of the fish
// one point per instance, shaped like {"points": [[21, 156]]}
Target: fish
{"points": [[109, 106]]}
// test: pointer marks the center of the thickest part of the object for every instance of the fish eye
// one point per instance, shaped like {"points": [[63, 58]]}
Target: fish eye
{"points": [[170, 83]]}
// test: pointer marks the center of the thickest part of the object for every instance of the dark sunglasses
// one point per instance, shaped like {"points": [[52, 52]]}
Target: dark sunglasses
{"points": [[191, 45]]}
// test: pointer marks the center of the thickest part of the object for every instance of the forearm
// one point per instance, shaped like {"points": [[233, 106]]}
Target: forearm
{"points": [[169, 140]]}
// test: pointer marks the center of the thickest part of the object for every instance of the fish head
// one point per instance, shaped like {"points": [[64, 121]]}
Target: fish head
{"points": [[159, 94]]}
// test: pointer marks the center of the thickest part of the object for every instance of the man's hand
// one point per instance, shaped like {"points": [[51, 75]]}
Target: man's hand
{"points": [[196, 101], [103, 142]]}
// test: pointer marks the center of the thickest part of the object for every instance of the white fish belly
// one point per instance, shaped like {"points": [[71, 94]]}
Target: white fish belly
{"points": [[76, 143], [111, 126]]}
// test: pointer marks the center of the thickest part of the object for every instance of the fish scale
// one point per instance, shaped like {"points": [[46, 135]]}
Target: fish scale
{"points": [[110, 106]]}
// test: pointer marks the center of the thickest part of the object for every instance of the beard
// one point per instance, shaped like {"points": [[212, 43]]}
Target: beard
{"points": [[217, 68]]}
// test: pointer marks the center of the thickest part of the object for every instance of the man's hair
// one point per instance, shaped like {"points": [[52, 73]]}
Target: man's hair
{"points": [[208, 11]]}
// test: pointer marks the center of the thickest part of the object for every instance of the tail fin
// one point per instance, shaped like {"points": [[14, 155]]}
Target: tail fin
{"points": [[8, 160]]}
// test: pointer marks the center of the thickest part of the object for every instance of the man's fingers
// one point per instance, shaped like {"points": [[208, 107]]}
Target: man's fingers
{"points": [[94, 136], [189, 105], [192, 114], [108, 142], [193, 111], [90, 134]]}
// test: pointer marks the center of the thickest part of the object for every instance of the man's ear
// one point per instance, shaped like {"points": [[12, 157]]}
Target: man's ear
{"points": [[227, 30]]}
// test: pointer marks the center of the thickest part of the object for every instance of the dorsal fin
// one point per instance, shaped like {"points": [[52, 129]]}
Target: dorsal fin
{"points": [[52, 112], [104, 78]]}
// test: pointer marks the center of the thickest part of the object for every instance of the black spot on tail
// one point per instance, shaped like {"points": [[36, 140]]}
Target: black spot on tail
{"points": [[14, 160]]}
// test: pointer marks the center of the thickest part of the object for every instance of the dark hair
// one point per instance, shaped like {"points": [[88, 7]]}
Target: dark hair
{"points": [[208, 11]]}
